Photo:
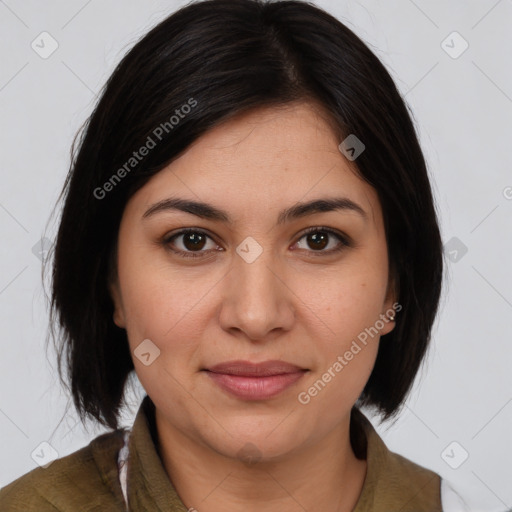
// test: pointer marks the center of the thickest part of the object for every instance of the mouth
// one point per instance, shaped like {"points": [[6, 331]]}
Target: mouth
{"points": [[255, 381]]}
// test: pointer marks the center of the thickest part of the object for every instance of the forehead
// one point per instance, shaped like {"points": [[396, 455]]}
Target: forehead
{"points": [[259, 161]]}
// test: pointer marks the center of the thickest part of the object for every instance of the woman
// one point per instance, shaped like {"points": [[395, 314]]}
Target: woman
{"points": [[249, 226]]}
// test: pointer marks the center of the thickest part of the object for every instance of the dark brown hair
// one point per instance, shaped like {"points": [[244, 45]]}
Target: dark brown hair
{"points": [[230, 56]]}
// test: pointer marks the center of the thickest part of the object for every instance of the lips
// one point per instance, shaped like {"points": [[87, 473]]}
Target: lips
{"points": [[248, 369], [255, 381]]}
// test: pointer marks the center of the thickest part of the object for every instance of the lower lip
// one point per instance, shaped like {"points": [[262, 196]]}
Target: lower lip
{"points": [[255, 388]]}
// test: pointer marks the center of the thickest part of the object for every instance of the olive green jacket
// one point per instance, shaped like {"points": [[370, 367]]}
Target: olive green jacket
{"points": [[88, 479]]}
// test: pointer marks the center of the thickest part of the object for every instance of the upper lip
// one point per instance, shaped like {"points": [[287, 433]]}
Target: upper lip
{"points": [[248, 369]]}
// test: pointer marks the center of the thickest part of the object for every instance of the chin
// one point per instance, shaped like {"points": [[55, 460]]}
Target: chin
{"points": [[248, 443]]}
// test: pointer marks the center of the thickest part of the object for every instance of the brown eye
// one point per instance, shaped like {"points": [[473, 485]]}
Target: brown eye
{"points": [[188, 242], [193, 241], [317, 239]]}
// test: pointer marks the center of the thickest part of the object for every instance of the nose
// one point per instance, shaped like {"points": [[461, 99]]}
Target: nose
{"points": [[258, 302]]}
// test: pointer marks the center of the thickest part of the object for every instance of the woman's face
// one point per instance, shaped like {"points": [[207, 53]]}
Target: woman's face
{"points": [[252, 285]]}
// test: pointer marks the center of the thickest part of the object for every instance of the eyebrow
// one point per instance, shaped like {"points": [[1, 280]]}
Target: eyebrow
{"points": [[299, 210]]}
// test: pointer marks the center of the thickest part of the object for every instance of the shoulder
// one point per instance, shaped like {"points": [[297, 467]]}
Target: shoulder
{"points": [[393, 481], [404, 473], [84, 480], [402, 484]]}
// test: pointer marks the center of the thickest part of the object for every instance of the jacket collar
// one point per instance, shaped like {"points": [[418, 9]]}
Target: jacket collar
{"points": [[149, 487], [392, 482]]}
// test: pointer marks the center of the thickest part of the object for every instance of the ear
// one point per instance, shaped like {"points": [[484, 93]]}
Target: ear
{"points": [[390, 306], [391, 294], [118, 316]]}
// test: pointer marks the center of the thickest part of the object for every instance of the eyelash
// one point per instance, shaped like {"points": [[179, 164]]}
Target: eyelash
{"points": [[345, 241]]}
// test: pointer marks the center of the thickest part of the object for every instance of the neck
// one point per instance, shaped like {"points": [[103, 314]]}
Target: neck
{"points": [[309, 479]]}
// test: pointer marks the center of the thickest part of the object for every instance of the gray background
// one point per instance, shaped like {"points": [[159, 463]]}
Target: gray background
{"points": [[463, 110]]}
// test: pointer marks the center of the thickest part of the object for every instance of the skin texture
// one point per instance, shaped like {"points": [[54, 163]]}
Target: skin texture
{"points": [[294, 303]]}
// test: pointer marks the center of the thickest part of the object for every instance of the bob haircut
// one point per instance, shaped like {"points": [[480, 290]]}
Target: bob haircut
{"points": [[206, 63]]}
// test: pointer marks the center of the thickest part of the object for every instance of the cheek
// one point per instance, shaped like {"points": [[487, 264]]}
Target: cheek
{"points": [[160, 311], [156, 300], [344, 368], [343, 310], [168, 308], [342, 304]]}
